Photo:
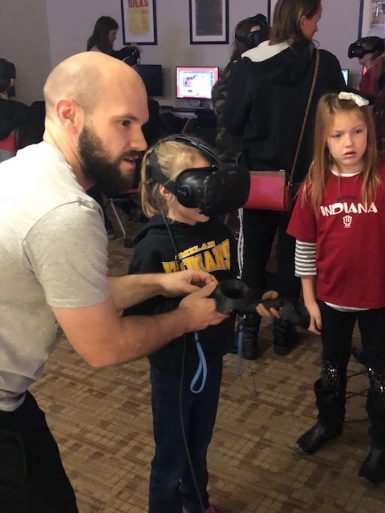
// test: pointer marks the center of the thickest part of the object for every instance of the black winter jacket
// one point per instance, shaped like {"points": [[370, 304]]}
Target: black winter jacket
{"points": [[210, 246], [266, 103]]}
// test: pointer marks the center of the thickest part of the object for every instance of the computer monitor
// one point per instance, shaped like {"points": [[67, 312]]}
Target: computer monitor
{"points": [[195, 82], [152, 77], [345, 73]]}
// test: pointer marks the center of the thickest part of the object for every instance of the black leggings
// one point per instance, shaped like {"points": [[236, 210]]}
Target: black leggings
{"points": [[337, 331], [32, 477]]}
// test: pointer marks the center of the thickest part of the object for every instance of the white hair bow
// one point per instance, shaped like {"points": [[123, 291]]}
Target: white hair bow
{"points": [[356, 98]]}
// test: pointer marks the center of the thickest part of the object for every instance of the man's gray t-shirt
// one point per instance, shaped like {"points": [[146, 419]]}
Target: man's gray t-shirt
{"points": [[53, 252]]}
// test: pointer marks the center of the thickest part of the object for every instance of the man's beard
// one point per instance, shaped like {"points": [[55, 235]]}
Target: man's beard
{"points": [[98, 166]]}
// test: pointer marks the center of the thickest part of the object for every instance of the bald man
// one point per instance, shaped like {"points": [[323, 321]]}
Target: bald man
{"points": [[53, 266]]}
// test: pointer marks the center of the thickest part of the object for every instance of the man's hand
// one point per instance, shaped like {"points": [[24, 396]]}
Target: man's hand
{"points": [[200, 310], [315, 325], [185, 282], [263, 311]]}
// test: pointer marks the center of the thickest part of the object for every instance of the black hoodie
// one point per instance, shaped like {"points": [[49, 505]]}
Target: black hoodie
{"points": [[209, 245], [266, 103]]}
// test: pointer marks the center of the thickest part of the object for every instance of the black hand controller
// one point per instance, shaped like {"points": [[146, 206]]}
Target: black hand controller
{"points": [[235, 296]]}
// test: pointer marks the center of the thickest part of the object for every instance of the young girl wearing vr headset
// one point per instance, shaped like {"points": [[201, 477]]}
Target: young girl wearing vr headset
{"points": [[179, 237]]}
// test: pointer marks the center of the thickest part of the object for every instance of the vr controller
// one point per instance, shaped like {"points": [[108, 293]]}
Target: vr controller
{"points": [[235, 296]]}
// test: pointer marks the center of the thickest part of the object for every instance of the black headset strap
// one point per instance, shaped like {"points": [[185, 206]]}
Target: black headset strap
{"points": [[153, 169], [156, 173], [195, 143]]}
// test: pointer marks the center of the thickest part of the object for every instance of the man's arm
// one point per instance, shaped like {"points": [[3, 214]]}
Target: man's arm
{"points": [[103, 338], [135, 288]]}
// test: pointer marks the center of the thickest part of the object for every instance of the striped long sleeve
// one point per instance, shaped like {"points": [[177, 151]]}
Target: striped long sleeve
{"points": [[305, 258]]}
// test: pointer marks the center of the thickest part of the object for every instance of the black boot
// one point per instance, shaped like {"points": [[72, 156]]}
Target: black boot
{"points": [[317, 437], [373, 467], [285, 336], [250, 337]]}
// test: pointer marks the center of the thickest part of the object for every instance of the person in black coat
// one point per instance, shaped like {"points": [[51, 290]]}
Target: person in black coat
{"points": [[248, 33], [265, 106]]}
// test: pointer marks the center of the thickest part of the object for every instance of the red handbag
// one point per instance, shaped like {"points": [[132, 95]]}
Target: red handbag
{"points": [[271, 190]]}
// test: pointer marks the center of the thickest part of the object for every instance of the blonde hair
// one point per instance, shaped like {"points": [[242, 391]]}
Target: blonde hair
{"points": [[329, 106], [173, 157]]}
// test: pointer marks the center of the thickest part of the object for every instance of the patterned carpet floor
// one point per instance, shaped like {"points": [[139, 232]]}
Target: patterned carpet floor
{"points": [[102, 421]]}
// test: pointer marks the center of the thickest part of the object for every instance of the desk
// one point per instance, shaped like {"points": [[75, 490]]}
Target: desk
{"points": [[181, 112], [194, 121]]}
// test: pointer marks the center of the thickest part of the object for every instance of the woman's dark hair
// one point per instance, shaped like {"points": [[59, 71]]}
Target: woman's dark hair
{"points": [[242, 31], [286, 19], [99, 37]]}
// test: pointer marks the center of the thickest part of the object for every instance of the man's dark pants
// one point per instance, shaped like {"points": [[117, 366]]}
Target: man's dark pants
{"points": [[32, 477]]}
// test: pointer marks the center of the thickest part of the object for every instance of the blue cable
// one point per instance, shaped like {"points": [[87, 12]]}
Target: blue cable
{"points": [[201, 370]]}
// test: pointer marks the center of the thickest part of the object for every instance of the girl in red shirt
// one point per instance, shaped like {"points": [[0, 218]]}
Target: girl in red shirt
{"points": [[339, 225]]}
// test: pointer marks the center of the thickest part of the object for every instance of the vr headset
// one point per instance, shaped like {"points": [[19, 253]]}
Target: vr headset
{"points": [[254, 38], [216, 189], [365, 45]]}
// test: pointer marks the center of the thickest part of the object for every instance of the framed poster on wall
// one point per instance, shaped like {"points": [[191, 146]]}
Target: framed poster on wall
{"points": [[209, 21], [372, 18], [139, 22]]}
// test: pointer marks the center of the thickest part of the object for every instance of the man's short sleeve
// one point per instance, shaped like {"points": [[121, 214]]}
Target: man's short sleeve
{"points": [[67, 252]]}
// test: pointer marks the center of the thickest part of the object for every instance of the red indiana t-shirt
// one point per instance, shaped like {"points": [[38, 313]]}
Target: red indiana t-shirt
{"points": [[350, 242]]}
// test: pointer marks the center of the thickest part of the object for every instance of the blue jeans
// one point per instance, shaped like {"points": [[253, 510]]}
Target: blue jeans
{"points": [[171, 481]]}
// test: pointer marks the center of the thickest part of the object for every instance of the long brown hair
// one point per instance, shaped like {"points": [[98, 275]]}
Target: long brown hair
{"points": [[99, 36], [286, 19], [329, 106]]}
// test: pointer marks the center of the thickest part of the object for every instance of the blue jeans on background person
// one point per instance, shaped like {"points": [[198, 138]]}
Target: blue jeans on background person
{"points": [[171, 482]]}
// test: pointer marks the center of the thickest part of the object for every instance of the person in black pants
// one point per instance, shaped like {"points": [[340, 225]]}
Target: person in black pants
{"points": [[339, 225], [265, 105]]}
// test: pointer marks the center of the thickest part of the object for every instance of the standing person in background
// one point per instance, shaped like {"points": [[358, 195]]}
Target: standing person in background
{"points": [[19, 124], [248, 34], [267, 96], [369, 51], [103, 37], [339, 225]]}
